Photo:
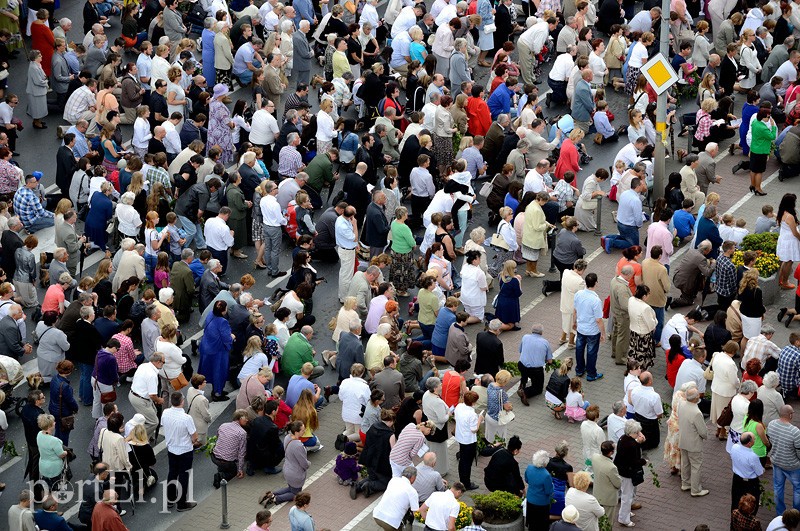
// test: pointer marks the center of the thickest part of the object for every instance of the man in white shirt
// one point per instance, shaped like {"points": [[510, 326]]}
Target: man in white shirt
{"points": [[429, 110], [647, 404], [629, 154], [788, 72], [273, 223], [143, 395], [643, 21], [535, 179], [264, 128], [346, 233], [180, 436], [615, 423], [398, 498], [219, 237], [172, 140], [530, 43], [441, 509], [407, 18], [558, 76]]}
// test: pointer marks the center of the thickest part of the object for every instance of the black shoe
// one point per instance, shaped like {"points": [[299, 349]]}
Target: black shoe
{"points": [[194, 347], [341, 440], [224, 392], [544, 287], [354, 491], [760, 194], [217, 480], [789, 319], [219, 398], [279, 274], [473, 486], [548, 99], [781, 313], [327, 393], [367, 491], [188, 507]]}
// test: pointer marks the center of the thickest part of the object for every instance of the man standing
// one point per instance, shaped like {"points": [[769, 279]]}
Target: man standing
{"points": [[534, 353], [68, 238], [629, 218], [65, 164], [590, 329], [231, 448], [647, 404], [747, 469], [785, 455], [789, 366], [725, 272], [441, 509], [210, 284], [303, 54], [607, 480], [346, 238], [144, 396], [20, 516], [655, 275], [324, 248], [376, 227], [399, 498], [219, 237], [390, 381], [620, 332], [691, 436], [274, 221], [181, 437], [182, 281], [583, 102], [706, 171]]}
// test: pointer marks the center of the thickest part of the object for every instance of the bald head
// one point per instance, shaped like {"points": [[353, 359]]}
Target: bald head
{"points": [[786, 412], [626, 272], [646, 378], [429, 459]]}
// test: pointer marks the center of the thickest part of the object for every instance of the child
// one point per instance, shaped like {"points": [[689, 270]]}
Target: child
{"points": [[284, 411], [726, 227], [751, 370], [161, 273], [739, 232], [619, 170], [177, 237], [477, 520], [766, 221], [566, 193], [304, 210], [576, 405], [272, 351], [347, 468], [605, 132], [684, 220]]}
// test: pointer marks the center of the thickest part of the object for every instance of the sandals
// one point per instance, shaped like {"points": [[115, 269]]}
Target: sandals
{"points": [[267, 499]]}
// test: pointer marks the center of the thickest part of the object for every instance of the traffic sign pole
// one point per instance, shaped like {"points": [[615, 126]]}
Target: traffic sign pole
{"points": [[661, 111]]}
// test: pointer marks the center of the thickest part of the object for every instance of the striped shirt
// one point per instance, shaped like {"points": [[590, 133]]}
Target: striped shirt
{"points": [[785, 439], [407, 446], [231, 443]]}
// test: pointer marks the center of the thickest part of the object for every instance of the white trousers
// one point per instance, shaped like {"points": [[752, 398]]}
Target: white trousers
{"points": [[347, 260], [626, 499]]}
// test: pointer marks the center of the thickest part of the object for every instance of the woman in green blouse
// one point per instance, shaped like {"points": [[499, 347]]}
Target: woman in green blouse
{"points": [[764, 133], [403, 269], [429, 307], [51, 450]]}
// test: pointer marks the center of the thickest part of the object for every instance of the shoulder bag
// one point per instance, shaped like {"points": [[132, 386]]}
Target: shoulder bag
{"points": [[497, 239], [67, 422], [504, 417], [105, 398], [726, 417], [487, 187], [708, 374]]}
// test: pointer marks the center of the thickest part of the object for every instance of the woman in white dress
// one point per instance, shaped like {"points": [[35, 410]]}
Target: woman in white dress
{"points": [[788, 249], [749, 60], [587, 201]]}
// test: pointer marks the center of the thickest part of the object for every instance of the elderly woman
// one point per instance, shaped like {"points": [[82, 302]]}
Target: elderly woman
{"points": [[100, 212], [53, 345], [171, 375], [220, 124], [534, 234], [567, 251], [474, 287], [725, 383], [504, 242], [743, 518], [630, 465], [569, 156], [62, 402], [51, 450], [355, 395], [26, 271], [214, 348], [497, 401], [672, 451], [562, 474], [643, 323], [739, 407], [36, 90], [477, 238], [403, 270], [589, 509], [347, 314], [587, 200], [539, 492], [772, 399], [435, 409], [129, 219]]}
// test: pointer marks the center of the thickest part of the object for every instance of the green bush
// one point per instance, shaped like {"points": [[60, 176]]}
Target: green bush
{"points": [[511, 366], [766, 242], [499, 507]]}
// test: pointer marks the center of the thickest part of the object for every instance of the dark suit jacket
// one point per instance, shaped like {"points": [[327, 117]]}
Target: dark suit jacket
{"points": [[182, 281], [84, 343], [727, 75], [250, 181], [504, 24], [51, 520], [351, 351], [356, 194], [10, 242], [210, 286], [11, 338], [65, 167], [264, 447], [488, 353], [376, 228], [365, 156]]}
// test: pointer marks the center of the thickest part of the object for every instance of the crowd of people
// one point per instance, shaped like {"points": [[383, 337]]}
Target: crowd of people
{"points": [[417, 138]]}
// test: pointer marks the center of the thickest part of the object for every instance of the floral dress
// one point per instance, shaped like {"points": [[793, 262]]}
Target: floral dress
{"points": [[672, 453], [219, 132]]}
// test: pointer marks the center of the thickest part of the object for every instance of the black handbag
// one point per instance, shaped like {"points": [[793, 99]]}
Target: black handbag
{"points": [[638, 477]]}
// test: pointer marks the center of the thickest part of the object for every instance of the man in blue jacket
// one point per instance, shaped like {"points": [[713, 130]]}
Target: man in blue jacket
{"points": [[582, 102], [500, 100]]}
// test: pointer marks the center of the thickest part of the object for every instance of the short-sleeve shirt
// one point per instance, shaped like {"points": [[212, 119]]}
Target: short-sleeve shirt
{"points": [[441, 507], [588, 309], [53, 299], [244, 55], [178, 430]]}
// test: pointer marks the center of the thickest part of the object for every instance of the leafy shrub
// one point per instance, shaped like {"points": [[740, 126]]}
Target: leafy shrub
{"points": [[766, 242], [511, 366], [766, 263], [499, 507]]}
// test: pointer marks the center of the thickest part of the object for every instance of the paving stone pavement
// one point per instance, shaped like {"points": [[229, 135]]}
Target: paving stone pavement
{"points": [[665, 507]]}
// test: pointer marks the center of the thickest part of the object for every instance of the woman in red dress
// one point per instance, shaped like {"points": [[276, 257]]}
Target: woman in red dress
{"points": [[568, 158], [42, 39], [392, 93]]}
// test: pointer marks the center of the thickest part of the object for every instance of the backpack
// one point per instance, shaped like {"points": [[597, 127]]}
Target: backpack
{"points": [[137, 311], [222, 198], [381, 105]]}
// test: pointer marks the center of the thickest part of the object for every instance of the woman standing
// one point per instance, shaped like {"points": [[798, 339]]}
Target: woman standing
{"points": [[754, 423], [702, 47], [534, 234], [643, 323], [725, 383], [105, 376], [176, 96], [764, 131], [51, 451], [788, 248], [326, 130], [752, 307], [152, 243], [589, 509], [129, 220], [474, 288], [539, 492], [53, 346], [62, 401], [37, 88], [639, 56], [25, 272], [223, 56], [507, 303], [630, 465], [569, 158], [468, 422], [587, 201], [770, 397], [485, 38], [443, 134], [237, 220], [173, 357], [434, 408], [567, 251], [562, 473], [43, 40], [403, 270], [220, 124], [748, 60], [142, 458], [740, 405], [497, 401], [214, 348]]}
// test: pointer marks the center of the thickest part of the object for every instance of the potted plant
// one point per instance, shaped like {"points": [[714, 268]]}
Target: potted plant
{"points": [[767, 264], [502, 510], [463, 519]]}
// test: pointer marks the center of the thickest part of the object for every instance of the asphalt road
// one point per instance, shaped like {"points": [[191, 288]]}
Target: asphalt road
{"points": [[37, 152]]}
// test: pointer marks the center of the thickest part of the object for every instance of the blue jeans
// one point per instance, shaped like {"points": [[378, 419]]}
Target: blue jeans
{"points": [[41, 223], [628, 236], [425, 379], [85, 387], [193, 232], [247, 76], [779, 477], [272, 248], [659, 323], [591, 344]]}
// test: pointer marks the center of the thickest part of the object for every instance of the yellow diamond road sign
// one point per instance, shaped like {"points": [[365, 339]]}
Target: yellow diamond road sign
{"points": [[659, 73]]}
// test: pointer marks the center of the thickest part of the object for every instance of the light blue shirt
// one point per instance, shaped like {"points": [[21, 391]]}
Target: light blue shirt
{"points": [[474, 161], [630, 209], [602, 124], [73, 62], [534, 351], [588, 309], [244, 55], [144, 64], [401, 46], [345, 237], [745, 462], [81, 147]]}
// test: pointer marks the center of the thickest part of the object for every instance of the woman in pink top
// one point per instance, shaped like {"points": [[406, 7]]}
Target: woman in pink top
{"points": [[126, 355]]}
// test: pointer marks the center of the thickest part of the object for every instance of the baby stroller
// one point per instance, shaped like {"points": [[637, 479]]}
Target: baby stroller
{"points": [[10, 375]]}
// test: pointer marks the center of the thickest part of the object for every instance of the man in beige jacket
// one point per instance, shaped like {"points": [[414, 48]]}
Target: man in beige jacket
{"points": [[692, 433], [656, 277], [620, 331], [607, 480]]}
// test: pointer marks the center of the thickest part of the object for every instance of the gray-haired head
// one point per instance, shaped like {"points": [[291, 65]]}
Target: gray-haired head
{"points": [[537, 328], [771, 380], [692, 395], [617, 407], [704, 245], [632, 428], [432, 383], [503, 120], [187, 254], [209, 22], [213, 263], [409, 472], [355, 326], [747, 387], [495, 325], [235, 289], [540, 459], [127, 243], [767, 329], [710, 212]]}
